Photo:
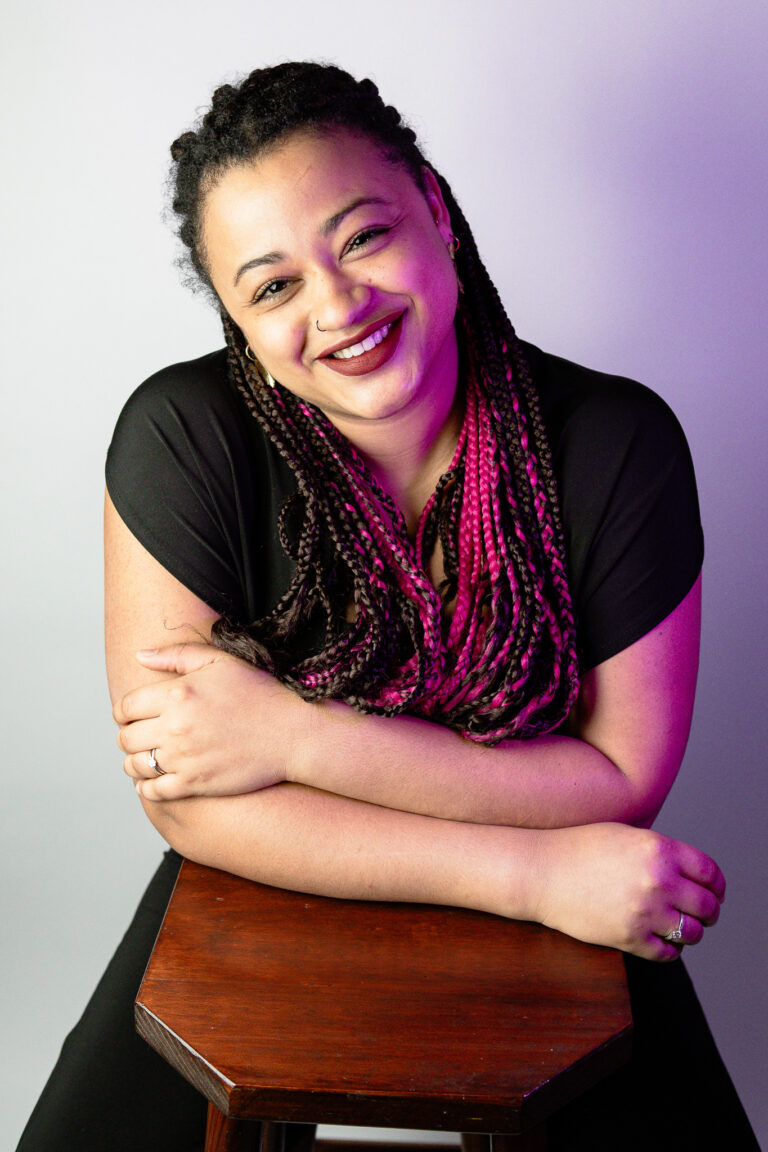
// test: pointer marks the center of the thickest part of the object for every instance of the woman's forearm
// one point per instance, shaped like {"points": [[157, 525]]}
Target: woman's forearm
{"points": [[604, 883], [296, 837], [407, 763], [225, 728], [632, 721]]}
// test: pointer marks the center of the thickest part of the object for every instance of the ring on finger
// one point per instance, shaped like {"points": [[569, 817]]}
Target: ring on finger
{"points": [[675, 936], [153, 764]]}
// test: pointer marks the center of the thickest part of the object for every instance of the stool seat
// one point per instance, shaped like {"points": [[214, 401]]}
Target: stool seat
{"points": [[279, 1006]]}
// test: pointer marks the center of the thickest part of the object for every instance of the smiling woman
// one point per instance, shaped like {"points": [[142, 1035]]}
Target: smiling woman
{"points": [[355, 249], [447, 588]]}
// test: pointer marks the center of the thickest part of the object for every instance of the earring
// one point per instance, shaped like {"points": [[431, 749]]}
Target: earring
{"points": [[453, 247], [267, 377]]}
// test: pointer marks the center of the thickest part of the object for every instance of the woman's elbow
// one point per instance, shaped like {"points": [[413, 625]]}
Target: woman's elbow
{"points": [[649, 790]]}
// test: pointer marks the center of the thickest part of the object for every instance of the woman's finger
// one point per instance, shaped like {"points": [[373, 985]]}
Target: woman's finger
{"points": [[683, 929], [166, 787], [179, 658], [696, 900], [139, 766], [660, 947], [142, 703], [139, 737], [661, 950], [702, 869]]}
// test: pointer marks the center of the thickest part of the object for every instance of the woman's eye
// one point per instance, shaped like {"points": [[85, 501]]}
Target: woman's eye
{"points": [[271, 290], [365, 237]]}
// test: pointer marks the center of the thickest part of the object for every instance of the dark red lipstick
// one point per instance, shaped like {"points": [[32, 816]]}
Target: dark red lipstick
{"points": [[367, 361]]}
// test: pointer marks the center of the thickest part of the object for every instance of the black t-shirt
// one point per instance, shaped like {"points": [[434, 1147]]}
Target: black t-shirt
{"points": [[199, 484]]}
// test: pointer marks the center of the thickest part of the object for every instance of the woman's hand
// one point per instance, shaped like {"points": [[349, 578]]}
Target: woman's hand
{"points": [[625, 888], [219, 727]]}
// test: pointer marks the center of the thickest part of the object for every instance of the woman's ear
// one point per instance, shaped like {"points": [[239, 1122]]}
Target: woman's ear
{"points": [[434, 198]]}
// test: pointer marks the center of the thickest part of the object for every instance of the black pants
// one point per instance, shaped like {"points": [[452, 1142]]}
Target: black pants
{"points": [[110, 1092]]}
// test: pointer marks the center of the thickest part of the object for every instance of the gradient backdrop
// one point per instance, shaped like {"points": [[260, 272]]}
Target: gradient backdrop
{"points": [[612, 159]]}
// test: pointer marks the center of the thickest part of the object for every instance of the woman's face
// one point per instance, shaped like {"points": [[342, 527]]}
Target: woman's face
{"points": [[336, 267]]}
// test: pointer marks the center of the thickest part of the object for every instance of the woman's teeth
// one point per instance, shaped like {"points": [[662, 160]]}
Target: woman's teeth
{"points": [[364, 345]]}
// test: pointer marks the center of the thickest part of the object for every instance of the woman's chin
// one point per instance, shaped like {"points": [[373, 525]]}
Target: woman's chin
{"points": [[370, 400]]}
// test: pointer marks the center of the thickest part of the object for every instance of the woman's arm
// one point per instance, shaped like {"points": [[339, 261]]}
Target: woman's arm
{"points": [[606, 883], [290, 835], [630, 728], [628, 734]]}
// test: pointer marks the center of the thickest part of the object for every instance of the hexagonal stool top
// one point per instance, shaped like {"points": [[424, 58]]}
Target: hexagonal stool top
{"points": [[282, 1006]]}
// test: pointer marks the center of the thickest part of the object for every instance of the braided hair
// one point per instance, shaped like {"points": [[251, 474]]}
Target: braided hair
{"points": [[505, 665]]}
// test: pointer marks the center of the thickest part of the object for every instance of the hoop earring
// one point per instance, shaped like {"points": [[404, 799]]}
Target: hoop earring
{"points": [[267, 377]]}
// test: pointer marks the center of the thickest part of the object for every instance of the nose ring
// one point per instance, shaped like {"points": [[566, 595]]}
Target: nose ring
{"points": [[317, 325]]}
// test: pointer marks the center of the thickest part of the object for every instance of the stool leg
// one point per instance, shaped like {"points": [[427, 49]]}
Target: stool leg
{"points": [[475, 1142], [228, 1134], [272, 1137], [535, 1140]]}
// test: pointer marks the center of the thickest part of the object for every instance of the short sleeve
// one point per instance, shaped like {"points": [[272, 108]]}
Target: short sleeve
{"points": [[191, 477], [629, 505]]}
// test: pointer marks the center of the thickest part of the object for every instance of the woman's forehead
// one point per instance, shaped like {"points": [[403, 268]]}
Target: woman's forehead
{"points": [[301, 184], [309, 168]]}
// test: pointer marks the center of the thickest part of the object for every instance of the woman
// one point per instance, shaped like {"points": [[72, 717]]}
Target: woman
{"points": [[397, 580]]}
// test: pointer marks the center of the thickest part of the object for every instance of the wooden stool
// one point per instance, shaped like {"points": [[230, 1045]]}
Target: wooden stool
{"points": [[281, 1007]]}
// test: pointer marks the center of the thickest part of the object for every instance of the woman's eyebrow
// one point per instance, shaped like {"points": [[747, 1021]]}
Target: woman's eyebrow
{"points": [[326, 228], [267, 258], [332, 223]]}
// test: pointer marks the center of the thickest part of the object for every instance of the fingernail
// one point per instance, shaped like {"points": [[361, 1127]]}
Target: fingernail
{"points": [[137, 786], [147, 652]]}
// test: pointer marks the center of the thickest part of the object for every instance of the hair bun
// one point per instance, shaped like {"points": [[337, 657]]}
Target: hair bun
{"points": [[182, 145], [222, 95], [368, 88], [392, 115]]}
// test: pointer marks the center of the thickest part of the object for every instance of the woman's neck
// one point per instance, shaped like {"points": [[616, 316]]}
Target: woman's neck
{"points": [[408, 456], [410, 450]]}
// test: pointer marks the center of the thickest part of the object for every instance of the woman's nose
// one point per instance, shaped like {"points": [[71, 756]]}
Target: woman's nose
{"points": [[339, 301]]}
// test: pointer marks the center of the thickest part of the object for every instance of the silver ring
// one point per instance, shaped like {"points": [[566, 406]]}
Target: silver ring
{"points": [[317, 325], [154, 764], [676, 935]]}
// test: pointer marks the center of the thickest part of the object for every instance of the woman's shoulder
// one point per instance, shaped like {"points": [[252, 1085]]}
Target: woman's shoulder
{"points": [[613, 440], [598, 409], [196, 480], [628, 500], [182, 387], [185, 421], [190, 413]]}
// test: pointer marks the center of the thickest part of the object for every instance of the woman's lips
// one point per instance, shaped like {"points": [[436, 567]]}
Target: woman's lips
{"points": [[367, 361]]}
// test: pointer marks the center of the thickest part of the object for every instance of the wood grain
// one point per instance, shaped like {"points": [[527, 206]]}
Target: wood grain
{"points": [[282, 1006]]}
